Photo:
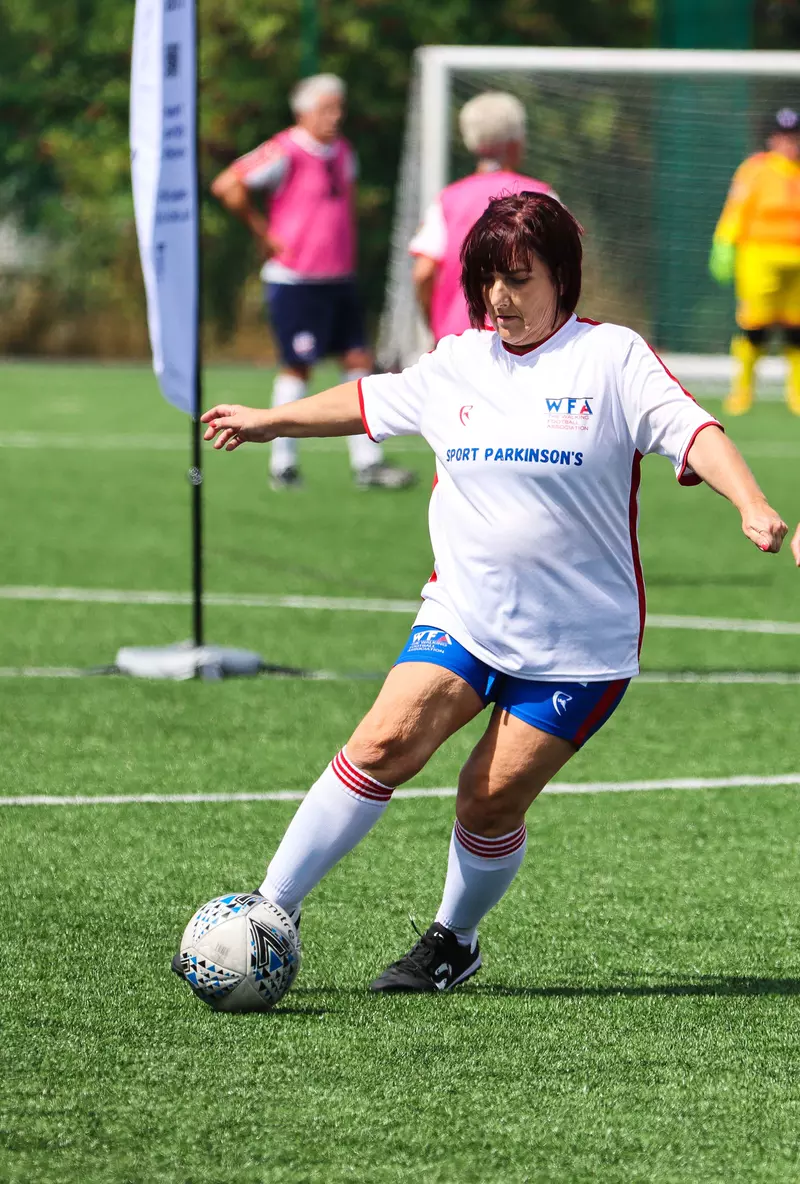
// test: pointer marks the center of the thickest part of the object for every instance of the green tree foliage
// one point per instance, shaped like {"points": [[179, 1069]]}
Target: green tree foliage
{"points": [[64, 73]]}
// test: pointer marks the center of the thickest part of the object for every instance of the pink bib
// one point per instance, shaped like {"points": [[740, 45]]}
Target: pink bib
{"points": [[311, 213], [463, 202]]}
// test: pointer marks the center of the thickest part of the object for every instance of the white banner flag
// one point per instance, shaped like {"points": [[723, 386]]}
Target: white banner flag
{"points": [[164, 176]]}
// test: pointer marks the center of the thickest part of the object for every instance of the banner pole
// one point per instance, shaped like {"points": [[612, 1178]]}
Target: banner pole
{"points": [[196, 471], [196, 478]]}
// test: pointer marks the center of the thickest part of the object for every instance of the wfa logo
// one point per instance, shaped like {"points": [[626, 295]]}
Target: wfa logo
{"points": [[560, 701], [569, 406], [429, 641]]}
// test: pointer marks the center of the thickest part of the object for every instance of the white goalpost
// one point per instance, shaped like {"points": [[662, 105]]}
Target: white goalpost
{"points": [[640, 144]]}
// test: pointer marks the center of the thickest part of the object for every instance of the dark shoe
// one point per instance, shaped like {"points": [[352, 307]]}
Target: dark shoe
{"points": [[288, 479], [385, 476], [438, 962]]}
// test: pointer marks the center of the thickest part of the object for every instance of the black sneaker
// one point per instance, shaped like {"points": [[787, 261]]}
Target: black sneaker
{"points": [[385, 476], [438, 962], [288, 479]]}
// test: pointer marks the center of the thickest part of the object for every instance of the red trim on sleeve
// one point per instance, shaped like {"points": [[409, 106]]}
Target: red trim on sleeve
{"points": [[692, 478], [633, 520], [363, 412], [669, 373], [601, 708]]}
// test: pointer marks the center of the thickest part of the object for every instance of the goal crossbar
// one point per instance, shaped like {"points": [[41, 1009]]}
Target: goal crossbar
{"points": [[437, 62]]}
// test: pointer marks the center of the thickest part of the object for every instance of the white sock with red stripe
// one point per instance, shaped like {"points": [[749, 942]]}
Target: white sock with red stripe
{"points": [[479, 873], [334, 816], [363, 452], [287, 388]]}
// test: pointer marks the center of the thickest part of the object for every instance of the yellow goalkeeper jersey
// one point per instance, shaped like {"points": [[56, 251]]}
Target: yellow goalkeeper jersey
{"points": [[763, 203]]}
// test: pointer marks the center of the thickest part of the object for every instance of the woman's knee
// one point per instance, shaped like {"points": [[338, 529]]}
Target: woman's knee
{"points": [[386, 752], [486, 805]]}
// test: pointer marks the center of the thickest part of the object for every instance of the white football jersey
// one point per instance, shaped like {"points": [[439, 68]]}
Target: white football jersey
{"points": [[533, 517]]}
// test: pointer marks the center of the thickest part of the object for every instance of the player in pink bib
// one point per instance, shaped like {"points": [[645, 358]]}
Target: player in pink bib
{"points": [[307, 232], [493, 129]]}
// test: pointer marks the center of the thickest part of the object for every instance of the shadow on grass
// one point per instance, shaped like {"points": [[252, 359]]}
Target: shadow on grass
{"points": [[704, 984], [287, 1011]]}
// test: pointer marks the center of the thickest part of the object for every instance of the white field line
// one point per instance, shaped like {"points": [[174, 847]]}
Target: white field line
{"points": [[713, 677], [153, 443], [721, 677], [217, 600], [346, 604], [559, 787], [104, 671], [41, 672]]}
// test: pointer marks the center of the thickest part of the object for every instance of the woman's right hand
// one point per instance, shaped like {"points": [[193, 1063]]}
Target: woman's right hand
{"points": [[233, 425], [796, 545]]}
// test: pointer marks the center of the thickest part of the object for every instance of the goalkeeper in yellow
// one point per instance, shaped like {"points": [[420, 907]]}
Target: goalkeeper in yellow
{"points": [[757, 245]]}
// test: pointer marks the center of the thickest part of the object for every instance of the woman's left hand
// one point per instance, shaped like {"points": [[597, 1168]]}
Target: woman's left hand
{"points": [[763, 526]]}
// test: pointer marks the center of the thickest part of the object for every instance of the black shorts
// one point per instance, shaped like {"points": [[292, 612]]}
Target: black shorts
{"points": [[314, 321]]}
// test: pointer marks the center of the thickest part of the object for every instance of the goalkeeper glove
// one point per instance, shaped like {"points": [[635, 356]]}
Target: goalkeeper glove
{"points": [[722, 261]]}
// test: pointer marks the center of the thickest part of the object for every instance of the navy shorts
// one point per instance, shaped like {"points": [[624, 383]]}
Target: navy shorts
{"points": [[314, 321], [572, 710]]}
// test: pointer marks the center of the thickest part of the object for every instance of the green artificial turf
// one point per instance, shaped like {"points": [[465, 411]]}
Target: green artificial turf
{"points": [[637, 1015]]}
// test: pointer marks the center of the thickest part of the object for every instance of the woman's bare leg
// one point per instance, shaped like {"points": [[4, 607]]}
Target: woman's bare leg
{"points": [[507, 769], [419, 706], [509, 766]]}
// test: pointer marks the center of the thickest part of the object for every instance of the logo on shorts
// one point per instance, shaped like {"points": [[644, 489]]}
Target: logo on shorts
{"points": [[304, 344], [560, 701], [465, 413], [429, 641]]}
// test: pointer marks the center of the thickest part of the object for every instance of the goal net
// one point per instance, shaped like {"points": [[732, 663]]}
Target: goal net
{"points": [[640, 144]]}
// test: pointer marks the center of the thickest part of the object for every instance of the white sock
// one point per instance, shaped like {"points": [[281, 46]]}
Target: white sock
{"points": [[334, 816], [287, 388], [363, 451], [479, 872]]}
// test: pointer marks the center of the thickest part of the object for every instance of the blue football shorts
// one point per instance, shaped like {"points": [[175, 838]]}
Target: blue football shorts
{"points": [[572, 710], [315, 321]]}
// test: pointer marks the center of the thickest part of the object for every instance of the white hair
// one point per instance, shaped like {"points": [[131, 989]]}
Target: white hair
{"points": [[309, 91], [491, 120]]}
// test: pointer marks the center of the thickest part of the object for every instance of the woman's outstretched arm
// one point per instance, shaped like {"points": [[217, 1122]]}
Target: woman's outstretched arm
{"points": [[722, 466], [335, 412]]}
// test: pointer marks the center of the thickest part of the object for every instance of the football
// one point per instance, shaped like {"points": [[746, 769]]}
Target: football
{"points": [[239, 952]]}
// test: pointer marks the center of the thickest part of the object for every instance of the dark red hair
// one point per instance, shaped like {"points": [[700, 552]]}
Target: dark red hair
{"points": [[509, 232]]}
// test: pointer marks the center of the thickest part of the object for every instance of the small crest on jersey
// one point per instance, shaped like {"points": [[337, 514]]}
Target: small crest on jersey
{"points": [[465, 413]]}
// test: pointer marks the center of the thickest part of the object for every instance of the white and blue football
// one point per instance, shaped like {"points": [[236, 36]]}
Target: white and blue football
{"points": [[239, 952]]}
